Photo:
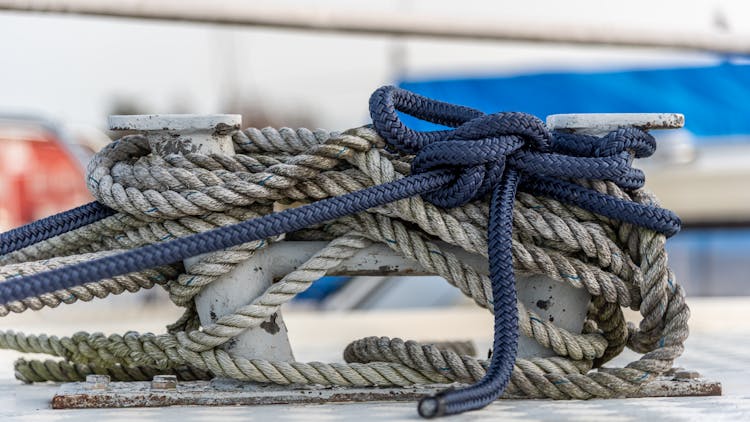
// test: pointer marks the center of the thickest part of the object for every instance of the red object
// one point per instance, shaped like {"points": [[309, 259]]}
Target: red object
{"points": [[38, 177]]}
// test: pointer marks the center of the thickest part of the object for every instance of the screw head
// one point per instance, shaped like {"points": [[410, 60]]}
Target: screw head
{"points": [[97, 382], [164, 382], [673, 370], [686, 375]]}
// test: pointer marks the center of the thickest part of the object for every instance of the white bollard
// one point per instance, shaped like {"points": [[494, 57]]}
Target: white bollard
{"points": [[559, 302], [188, 133], [552, 300], [600, 124]]}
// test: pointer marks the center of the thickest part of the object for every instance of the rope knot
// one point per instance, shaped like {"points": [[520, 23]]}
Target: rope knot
{"points": [[480, 149], [476, 154]]}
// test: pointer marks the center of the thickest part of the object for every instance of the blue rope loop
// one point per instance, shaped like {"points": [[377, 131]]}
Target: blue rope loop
{"points": [[483, 154], [492, 153]]}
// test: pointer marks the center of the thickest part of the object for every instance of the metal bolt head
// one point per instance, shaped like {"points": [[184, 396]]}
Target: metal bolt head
{"points": [[164, 382], [97, 382], [687, 375], [673, 370]]}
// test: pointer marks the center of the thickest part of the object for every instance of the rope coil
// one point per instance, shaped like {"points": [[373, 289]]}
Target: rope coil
{"points": [[592, 234]]}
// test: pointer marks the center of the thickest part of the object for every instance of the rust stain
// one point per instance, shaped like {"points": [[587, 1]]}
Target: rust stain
{"points": [[543, 304], [201, 393], [270, 326], [179, 145], [225, 129]]}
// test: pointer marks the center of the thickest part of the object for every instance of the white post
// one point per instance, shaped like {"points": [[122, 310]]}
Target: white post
{"points": [[553, 300], [179, 134]]}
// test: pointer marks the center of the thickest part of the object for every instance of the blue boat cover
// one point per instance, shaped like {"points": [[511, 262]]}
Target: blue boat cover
{"points": [[714, 99]]}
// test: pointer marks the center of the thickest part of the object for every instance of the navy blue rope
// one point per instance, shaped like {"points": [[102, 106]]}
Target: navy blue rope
{"points": [[485, 154], [256, 229], [493, 153], [46, 228]]}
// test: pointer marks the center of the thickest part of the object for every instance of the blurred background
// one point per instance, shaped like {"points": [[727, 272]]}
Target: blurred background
{"points": [[61, 75]]}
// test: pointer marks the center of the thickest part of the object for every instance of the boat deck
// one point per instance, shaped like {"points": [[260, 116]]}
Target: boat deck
{"points": [[718, 348]]}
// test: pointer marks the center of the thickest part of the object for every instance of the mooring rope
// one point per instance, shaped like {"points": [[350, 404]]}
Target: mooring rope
{"points": [[580, 218], [45, 228]]}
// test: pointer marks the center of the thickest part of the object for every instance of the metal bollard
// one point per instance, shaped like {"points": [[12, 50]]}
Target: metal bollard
{"points": [[188, 133], [555, 301], [602, 123], [552, 300]]}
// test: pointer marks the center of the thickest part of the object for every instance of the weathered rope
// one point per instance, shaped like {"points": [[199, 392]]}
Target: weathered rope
{"points": [[174, 197]]}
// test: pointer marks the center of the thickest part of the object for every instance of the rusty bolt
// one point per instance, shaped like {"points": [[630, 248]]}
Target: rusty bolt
{"points": [[164, 382], [686, 375], [673, 370], [97, 382]]}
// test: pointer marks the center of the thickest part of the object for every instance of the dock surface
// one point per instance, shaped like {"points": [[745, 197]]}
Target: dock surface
{"points": [[718, 348]]}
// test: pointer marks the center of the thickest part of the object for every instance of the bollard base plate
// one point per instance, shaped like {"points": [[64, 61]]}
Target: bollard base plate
{"points": [[222, 392]]}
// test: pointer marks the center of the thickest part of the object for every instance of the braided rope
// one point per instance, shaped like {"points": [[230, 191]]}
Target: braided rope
{"points": [[162, 198]]}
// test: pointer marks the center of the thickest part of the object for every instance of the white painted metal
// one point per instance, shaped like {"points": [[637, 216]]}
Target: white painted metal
{"points": [[394, 22], [169, 134], [550, 299], [174, 122], [236, 289], [553, 301], [560, 302], [602, 123], [378, 259], [182, 133]]}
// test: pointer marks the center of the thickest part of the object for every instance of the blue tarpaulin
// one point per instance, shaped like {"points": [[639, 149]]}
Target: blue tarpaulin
{"points": [[715, 99]]}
